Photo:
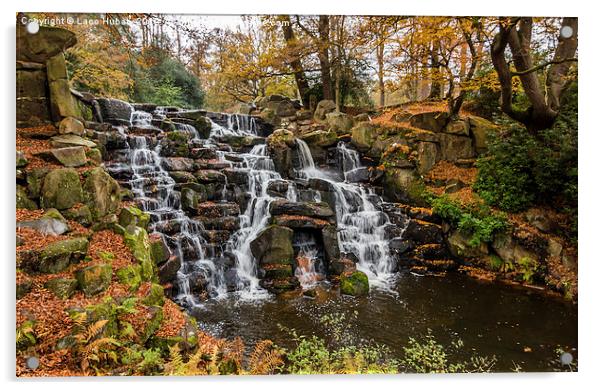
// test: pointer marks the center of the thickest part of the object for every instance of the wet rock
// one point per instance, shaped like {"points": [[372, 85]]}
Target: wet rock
{"points": [[273, 245], [115, 111], [178, 164], [175, 144], [215, 210], [182, 177], [71, 125], [209, 176], [421, 232], [280, 144], [331, 243], [219, 223], [63, 288], [277, 188], [238, 176], [308, 209], [433, 121], [94, 279], [339, 122], [202, 126], [101, 193], [359, 175], [355, 284], [324, 107], [61, 189]]}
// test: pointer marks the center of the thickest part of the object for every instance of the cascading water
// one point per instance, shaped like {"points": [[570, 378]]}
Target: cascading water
{"points": [[361, 225], [154, 191]]}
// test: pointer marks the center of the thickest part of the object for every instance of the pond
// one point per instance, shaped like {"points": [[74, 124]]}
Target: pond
{"points": [[519, 327]]}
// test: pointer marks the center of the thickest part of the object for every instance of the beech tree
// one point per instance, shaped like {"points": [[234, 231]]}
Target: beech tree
{"points": [[543, 95]]}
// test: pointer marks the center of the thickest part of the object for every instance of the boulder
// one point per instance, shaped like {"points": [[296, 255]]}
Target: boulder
{"points": [[433, 121], [159, 250], [182, 177], [94, 279], [169, 270], [48, 224], [130, 276], [282, 108], [460, 246], [115, 111], [479, 130], [355, 284], [363, 135], [203, 126], [80, 214], [48, 42], [205, 176], [61, 189], [427, 156], [280, 144], [62, 102], [175, 144], [458, 127], [63, 288], [455, 147], [421, 232], [331, 243], [190, 199], [273, 245], [23, 201], [136, 238], [57, 256], [101, 193], [324, 107], [74, 156], [132, 215], [71, 125], [339, 122], [320, 138], [94, 156]]}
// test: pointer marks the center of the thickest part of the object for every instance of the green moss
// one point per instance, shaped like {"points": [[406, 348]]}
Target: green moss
{"points": [[355, 284], [56, 256], [133, 215], [130, 276], [94, 279], [62, 287]]}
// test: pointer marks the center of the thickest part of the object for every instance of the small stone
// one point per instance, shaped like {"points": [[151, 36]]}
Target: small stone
{"points": [[71, 125]]}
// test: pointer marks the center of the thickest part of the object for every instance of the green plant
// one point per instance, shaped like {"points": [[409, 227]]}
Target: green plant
{"points": [[477, 220], [428, 356], [151, 363], [527, 267]]}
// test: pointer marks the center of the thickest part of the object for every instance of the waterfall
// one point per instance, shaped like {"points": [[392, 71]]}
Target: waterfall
{"points": [[154, 190], [361, 224]]}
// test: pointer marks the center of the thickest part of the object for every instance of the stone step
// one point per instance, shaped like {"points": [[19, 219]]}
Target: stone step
{"points": [[215, 210]]}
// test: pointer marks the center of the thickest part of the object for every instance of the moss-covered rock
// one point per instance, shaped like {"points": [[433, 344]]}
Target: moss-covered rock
{"points": [[155, 296], [159, 249], [130, 276], [23, 202], [61, 189], [62, 287], [339, 122], [280, 144], [101, 193], [323, 108], [363, 135], [320, 138], [355, 284], [133, 216], [152, 324], [21, 160], [94, 279], [203, 126], [94, 156], [81, 215], [35, 179], [26, 336], [136, 238], [57, 256]]}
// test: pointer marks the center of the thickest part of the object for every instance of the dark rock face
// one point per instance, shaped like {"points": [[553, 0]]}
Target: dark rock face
{"points": [[115, 111], [273, 246], [307, 209]]}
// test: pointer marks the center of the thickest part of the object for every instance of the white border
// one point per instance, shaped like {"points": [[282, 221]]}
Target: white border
{"points": [[590, 190]]}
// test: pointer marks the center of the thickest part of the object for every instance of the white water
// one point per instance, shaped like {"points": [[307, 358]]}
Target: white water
{"points": [[361, 225]]}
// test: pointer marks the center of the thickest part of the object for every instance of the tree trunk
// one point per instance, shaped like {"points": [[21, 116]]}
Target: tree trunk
{"points": [[380, 60], [295, 62], [324, 43], [436, 87]]}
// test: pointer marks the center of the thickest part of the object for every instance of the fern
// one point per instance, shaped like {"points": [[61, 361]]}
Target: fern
{"points": [[265, 359]]}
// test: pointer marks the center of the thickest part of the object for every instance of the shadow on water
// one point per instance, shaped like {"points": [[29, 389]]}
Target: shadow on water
{"points": [[491, 319]]}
